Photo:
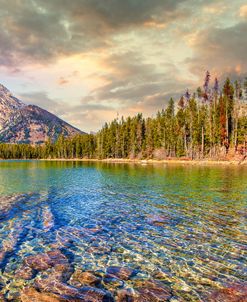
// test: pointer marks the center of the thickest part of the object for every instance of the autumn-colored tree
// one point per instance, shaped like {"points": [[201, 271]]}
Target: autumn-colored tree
{"points": [[200, 125]]}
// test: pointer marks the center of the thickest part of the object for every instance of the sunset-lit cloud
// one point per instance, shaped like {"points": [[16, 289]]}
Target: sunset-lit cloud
{"points": [[89, 60], [243, 11]]}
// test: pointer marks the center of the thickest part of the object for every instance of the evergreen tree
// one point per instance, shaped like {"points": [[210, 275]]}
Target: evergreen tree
{"points": [[200, 125]]}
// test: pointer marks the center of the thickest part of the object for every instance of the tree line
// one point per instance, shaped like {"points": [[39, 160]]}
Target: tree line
{"points": [[210, 122]]}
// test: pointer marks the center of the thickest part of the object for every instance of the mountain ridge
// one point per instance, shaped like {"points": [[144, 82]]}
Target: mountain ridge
{"points": [[30, 124]]}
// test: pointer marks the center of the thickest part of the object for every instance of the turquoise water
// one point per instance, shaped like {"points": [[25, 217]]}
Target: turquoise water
{"points": [[182, 226]]}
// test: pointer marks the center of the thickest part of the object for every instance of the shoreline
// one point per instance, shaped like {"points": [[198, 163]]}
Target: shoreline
{"points": [[204, 162], [172, 161]]}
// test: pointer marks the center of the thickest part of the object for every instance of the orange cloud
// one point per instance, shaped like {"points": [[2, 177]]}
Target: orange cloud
{"points": [[62, 81], [238, 69], [243, 11], [215, 8], [155, 25]]}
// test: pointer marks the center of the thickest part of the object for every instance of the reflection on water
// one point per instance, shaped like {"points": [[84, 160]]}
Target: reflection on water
{"points": [[127, 232]]}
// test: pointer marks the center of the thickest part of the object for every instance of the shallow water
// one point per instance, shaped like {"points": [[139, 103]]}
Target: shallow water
{"points": [[183, 226]]}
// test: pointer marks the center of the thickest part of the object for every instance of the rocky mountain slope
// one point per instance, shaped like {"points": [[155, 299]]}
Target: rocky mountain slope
{"points": [[21, 123]]}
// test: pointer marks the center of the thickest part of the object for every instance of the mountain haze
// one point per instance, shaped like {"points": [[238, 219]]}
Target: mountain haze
{"points": [[21, 123]]}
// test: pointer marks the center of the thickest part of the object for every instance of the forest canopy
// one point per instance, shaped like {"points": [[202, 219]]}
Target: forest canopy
{"points": [[211, 122]]}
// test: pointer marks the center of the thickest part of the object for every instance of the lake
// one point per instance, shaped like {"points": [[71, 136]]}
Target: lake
{"points": [[122, 232]]}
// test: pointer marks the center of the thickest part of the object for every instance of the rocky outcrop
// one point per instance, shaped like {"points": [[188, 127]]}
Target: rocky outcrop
{"points": [[21, 123], [8, 105]]}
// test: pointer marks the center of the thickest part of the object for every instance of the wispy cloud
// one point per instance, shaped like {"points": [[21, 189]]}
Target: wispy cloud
{"points": [[87, 60]]}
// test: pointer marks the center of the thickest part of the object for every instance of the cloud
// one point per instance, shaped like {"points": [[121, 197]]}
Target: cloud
{"points": [[135, 84], [138, 87], [62, 81], [41, 31], [217, 8], [243, 11], [80, 115], [94, 58], [129, 84], [35, 98], [221, 50]]}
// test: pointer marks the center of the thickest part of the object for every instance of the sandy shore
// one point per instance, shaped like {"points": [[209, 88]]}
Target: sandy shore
{"points": [[154, 161]]}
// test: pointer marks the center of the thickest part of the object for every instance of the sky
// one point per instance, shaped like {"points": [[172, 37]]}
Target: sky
{"points": [[89, 61]]}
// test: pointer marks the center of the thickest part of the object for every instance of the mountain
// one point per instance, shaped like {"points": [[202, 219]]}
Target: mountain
{"points": [[21, 123], [8, 105]]}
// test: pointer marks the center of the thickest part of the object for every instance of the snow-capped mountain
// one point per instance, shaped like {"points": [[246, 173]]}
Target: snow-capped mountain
{"points": [[21, 123]]}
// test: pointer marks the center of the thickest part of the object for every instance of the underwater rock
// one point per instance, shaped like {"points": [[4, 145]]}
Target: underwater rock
{"points": [[30, 294], [126, 295], [91, 294], [99, 249], [58, 260], [123, 273], [152, 291], [63, 239], [51, 284], [48, 219], [42, 262], [233, 293], [180, 285], [24, 272], [8, 203], [87, 294], [38, 262], [67, 236], [9, 243], [80, 278], [161, 275], [158, 220], [93, 228], [111, 282]]}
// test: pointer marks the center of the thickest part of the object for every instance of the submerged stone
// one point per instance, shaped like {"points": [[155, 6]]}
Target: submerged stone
{"points": [[30, 294], [24, 272], [233, 293], [80, 278], [48, 219], [111, 282], [92, 249], [123, 273], [42, 262], [89, 294], [158, 219], [161, 275], [38, 262], [53, 284], [152, 291], [126, 295], [92, 294]]}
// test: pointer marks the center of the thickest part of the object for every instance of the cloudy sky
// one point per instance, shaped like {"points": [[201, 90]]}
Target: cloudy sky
{"points": [[87, 60]]}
